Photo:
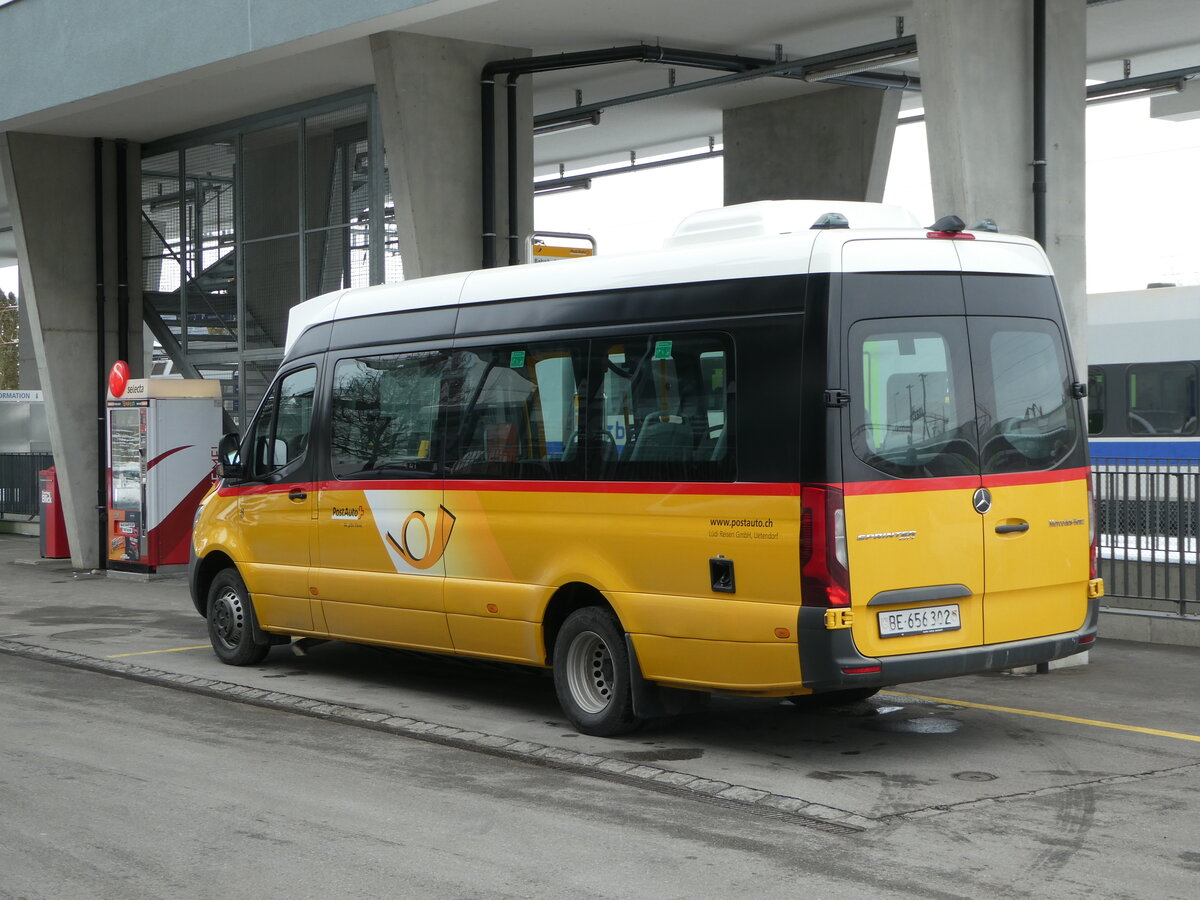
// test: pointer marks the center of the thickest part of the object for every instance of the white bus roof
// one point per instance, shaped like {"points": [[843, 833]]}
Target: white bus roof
{"points": [[751, 240]]}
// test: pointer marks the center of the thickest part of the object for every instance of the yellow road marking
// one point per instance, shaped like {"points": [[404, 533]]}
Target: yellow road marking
{"points": [[149, 652], [1179, 736]]}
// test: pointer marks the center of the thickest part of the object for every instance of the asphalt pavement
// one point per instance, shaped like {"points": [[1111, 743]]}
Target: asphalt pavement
{"points": [[1130, 716]]}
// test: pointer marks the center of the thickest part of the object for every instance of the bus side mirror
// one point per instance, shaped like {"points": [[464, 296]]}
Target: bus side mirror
{"points": [[229, 457]]}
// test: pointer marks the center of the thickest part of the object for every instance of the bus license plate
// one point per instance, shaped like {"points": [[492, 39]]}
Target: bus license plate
{"points": [[923, 620]]}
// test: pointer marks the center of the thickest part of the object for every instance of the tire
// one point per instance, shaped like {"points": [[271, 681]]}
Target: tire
{"points": [[591, 673], [230, 614], [834, 698]]}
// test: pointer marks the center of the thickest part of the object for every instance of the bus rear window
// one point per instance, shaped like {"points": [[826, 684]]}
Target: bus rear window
{"points": [[911, 412], [1027, 419]]}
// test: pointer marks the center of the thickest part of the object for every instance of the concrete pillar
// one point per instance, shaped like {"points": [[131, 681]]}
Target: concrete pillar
{"points": [[976, 65], [429, 106], [830, 145], [50, 184]]}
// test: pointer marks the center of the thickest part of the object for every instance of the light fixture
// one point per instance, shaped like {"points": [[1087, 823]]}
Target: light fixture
{"points": [[568, 123], [859, 66], [555, 186], [1126, 91]]}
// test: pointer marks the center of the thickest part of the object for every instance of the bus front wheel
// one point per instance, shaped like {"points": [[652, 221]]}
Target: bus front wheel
{"points": [[591, 673], [230, 613]]}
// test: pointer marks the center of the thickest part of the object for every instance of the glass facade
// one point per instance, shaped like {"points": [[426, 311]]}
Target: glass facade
{"points": [[242, 223]]}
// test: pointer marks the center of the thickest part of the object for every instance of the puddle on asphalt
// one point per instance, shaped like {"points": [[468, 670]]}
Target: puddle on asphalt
{"points": [[925, 725]]}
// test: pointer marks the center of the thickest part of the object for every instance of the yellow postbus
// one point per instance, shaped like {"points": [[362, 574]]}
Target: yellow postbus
{"points": [[807, 450]]}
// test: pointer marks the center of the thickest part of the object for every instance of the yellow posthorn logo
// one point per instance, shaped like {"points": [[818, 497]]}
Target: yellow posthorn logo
{"points": [[435, 546]]}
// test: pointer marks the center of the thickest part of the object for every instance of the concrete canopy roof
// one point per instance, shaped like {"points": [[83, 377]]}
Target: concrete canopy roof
{"points": [[1157, 35]]}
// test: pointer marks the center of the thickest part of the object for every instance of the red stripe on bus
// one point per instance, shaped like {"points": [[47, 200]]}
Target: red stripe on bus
{"points": [[911, 485], [244, 490], [783, 489], [660, 488], [1058, 476], [964, 482], [665, 488]]}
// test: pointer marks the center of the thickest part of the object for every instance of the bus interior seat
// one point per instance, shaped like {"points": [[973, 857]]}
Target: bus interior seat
{"points": [[663, 437]]}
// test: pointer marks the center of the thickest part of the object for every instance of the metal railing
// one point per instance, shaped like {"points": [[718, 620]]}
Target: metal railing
{"points": [[20, 496], [1148, 519]]}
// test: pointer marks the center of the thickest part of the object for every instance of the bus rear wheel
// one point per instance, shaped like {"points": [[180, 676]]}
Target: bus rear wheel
{"points": [[591, 673], [230, 614]]}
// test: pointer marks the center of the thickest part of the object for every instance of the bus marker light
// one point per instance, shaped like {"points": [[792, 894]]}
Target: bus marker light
{"points": [[862, 670], [493, 608], [782, 633]]}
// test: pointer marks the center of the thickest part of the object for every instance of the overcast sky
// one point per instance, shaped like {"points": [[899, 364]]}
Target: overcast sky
{"points": [[1143, 199]]}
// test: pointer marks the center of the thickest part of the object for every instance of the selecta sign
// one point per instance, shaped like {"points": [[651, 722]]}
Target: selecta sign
{"points": [[118, 378]]}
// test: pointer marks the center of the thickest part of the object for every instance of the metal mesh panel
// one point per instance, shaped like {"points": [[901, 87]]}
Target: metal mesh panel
{"points": [[256, 378], [328, 260], [210, 301], [269, 182], [227, 375], [242, 225], [162, 197], [337, 200], [271, 286], [393, 265]]}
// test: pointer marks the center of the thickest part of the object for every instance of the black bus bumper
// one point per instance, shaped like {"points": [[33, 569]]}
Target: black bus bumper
{"points": [[826, 654]]}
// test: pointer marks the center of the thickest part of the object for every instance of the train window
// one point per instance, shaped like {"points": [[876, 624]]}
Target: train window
{"points": [[1096, 400], [1162, 398]]}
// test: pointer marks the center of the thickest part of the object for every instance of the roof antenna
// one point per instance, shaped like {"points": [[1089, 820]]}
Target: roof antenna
{"points": [[948, 225]]}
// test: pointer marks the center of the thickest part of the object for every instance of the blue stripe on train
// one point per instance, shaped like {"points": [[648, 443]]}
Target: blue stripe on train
{"points": [[1145, 448]]}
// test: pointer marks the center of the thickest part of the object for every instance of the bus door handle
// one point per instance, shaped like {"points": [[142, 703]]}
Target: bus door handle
{"points": [[297, 494], [1014, 528]]}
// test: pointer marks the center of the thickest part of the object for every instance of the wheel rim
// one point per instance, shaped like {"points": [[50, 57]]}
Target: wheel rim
{"points": [[590, 672], [228, 618]]}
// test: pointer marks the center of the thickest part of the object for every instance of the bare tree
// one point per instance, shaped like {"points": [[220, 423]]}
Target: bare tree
{"points": [[9, 352]]}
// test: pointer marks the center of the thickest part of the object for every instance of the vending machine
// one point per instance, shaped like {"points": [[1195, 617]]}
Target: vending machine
{"points": [[162, 445]]}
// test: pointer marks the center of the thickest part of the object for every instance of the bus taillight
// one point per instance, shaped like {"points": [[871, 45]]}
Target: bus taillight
{"points": [[824, 572]]}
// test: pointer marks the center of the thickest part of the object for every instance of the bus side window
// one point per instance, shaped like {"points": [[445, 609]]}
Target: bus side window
{"points": [[666, 408], [384, 415], [280, 433], [515, 412], [1097, 401]]}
